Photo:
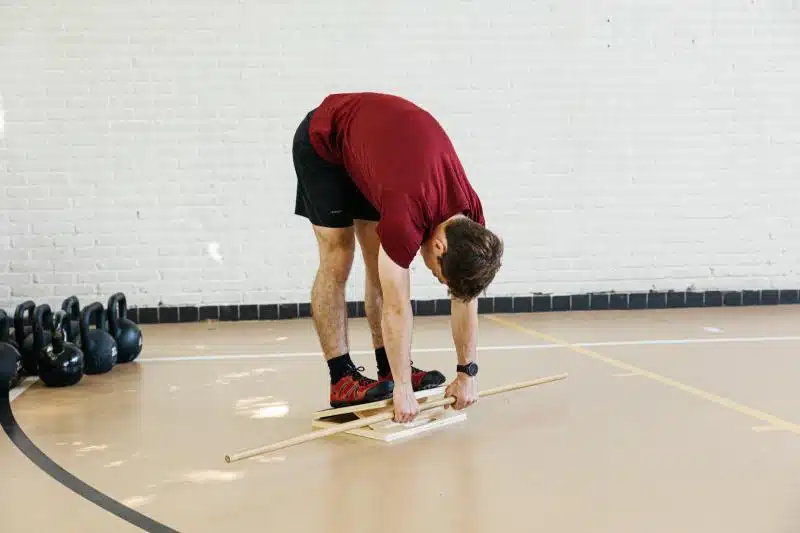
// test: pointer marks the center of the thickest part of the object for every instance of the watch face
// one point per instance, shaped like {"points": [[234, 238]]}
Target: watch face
{"points": [[470, 369]]}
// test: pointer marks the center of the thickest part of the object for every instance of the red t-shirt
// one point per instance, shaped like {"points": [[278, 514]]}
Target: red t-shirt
{"points": [[403, 162]]}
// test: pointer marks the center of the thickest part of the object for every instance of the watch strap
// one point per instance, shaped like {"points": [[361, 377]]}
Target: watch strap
{"points": [[470, 369]]}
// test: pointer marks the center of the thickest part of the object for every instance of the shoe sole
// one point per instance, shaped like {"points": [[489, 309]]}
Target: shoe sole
{"points": [[429, 387], [339, 405]]}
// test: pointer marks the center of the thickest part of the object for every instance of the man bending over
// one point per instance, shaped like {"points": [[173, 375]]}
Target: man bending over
{"points": [[379, 170]]}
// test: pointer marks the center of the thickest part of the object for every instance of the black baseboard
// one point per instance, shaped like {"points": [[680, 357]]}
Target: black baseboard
{"points": [[496, 304]]}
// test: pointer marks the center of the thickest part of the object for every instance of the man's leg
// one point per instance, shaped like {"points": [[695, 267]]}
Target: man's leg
{"points": [[328, 303], [373, 297], [329, 312], [373, 300], [324, 194]]}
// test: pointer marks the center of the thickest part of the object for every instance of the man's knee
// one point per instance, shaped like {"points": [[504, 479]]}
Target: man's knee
{"points": [[370, 247], [367, 232], [336, 251]]}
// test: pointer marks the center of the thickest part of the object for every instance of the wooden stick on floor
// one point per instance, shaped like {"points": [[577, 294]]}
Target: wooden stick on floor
{"points": [[318, 434]]}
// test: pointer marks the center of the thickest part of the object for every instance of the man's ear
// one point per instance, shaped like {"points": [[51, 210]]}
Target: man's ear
{"points": [[439, 245]]}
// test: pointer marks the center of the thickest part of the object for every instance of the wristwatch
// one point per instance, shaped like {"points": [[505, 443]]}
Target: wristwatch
{"points": [[470, 369]]}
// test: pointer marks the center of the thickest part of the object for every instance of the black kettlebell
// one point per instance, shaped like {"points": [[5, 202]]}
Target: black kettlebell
{"points": [[98, 346], [8, 366], [23, 334], [123, 330], [72, 328], [60, 361], [9, 349]]}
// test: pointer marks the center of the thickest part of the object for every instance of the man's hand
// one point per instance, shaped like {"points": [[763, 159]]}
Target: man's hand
{"points": [[464, 389], [405, 403]]}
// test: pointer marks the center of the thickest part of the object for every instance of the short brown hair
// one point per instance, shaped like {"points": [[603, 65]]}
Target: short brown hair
{"points": [[473, 257]]}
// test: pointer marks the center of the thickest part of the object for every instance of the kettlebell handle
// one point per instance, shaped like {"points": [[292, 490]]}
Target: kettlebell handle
{"points": [[42, 317], [25, 308], [73, 307], [117, 311], [60, 320], [93, 311]]}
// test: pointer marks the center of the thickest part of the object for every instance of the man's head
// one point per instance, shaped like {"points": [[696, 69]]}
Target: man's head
{"points": [[463, 255]]}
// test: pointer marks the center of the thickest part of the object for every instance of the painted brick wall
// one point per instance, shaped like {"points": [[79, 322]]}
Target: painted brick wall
{"points": [[617, 145]]}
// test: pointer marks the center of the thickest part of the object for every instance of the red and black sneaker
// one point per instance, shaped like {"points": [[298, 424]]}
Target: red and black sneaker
{"points": [[353, 388], [420, 379]]}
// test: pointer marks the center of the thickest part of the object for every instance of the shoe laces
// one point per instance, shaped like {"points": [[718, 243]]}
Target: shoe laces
{"points": [[355, 373]]}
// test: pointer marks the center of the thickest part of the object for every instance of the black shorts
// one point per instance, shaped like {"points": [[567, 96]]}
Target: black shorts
{"points": [[326, 195]]}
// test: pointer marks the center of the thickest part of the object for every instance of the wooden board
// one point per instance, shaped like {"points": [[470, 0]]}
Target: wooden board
{"points": [[388, 431], [391, 431]]}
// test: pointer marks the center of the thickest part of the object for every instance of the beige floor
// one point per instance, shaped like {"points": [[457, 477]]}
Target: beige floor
{"points": [[670, 421]]}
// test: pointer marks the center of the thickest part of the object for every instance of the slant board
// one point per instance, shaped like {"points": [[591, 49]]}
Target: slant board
{"points": [[388, 430]]}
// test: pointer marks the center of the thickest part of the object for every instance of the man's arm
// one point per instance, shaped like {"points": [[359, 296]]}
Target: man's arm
{"points": [[396, 328], [396, 317], [464, 325]]}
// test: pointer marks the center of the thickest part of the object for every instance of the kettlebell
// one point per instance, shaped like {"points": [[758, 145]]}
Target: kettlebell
{"points": [[60, 361], [8, 349], [72, 327], [124, 331], [98, 346], [23, 334], [8, 365]]}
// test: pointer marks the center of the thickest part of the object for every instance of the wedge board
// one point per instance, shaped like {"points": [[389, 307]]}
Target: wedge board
{"points": [[388, 430]]}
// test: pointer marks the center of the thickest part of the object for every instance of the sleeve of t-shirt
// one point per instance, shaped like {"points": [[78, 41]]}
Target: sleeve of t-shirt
{"points": [[401, 228], [479, 216]]}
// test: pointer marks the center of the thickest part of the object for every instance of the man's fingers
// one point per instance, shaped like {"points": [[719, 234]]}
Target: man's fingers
{"points": [[404, 418], [463, 403]]}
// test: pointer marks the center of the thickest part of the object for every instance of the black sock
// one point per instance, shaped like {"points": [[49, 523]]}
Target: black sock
{"points": [[383, 361], [339, 366]]}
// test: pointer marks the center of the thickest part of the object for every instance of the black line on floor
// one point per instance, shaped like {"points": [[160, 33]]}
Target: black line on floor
{"points": [[51, 468]]}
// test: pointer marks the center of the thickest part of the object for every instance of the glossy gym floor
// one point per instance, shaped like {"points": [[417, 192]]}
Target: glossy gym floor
{"points": [[670, 420]]}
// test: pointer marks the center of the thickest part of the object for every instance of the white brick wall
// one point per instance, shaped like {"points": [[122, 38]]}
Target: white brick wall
{"points": [[617, 145]]}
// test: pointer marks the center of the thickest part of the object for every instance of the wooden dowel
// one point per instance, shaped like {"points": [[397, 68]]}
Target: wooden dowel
{"points": [[355, 424]]}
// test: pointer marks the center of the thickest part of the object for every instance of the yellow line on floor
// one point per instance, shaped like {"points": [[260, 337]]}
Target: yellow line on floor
{"points": [[719, 400]]}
